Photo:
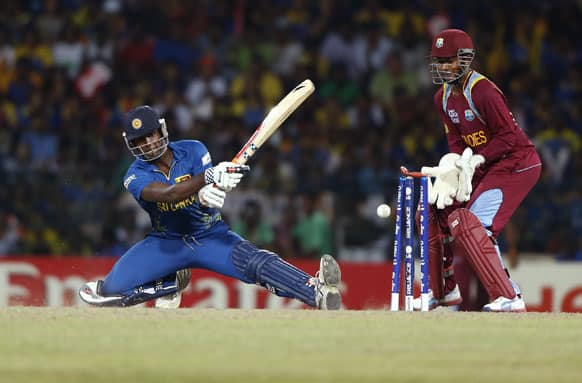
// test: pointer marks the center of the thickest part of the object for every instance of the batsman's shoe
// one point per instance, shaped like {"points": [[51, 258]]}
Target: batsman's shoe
{"points": [[328, 278], [452, 298], [90, 293], [506, 305], [173, 301]]}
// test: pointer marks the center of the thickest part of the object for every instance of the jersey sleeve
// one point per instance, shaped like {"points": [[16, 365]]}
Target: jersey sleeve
{"points": [[135, 181], [499, 120], [199, 156], [454, 139]]}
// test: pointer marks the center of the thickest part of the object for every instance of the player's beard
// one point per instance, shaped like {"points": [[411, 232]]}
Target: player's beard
{"points": [[451, 77], [156, 152], [153, 151]]}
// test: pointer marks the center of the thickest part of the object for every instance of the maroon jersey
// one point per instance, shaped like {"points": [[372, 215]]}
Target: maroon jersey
{"points": [[480, 118]]}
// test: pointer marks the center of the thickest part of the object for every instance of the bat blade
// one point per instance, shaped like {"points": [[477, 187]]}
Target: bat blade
{"points": [[274, 119]]}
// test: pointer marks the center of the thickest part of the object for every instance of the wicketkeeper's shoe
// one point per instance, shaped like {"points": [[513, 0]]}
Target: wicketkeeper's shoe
{"points": [[452, 298], [506, 305], [173, 301], [90, 293], [328, 279]]}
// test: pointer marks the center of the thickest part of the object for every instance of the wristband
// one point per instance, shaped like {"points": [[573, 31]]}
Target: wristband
{"points": [[209, 176]]}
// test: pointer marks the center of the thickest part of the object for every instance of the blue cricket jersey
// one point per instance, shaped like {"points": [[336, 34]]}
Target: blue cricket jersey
{"points": [[176, 219]]}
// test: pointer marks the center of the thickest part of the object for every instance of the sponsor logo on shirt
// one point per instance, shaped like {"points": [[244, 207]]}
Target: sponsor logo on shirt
{"points": [[183, 178], [454, 116], [475, 139], [469, 115], [128, 180]]}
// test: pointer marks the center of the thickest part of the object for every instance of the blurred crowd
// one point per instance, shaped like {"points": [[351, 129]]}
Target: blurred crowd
{"points": [[69, 69]]}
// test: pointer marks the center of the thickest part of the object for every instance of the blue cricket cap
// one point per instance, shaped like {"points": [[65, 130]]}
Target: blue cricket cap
{"points": [[140, 122]]}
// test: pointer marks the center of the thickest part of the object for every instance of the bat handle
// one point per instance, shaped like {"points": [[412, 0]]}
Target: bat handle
{"points": [[243, 169]]}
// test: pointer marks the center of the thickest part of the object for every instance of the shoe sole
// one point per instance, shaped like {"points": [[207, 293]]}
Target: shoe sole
{"points": [[505, 311], [333, 299], [330, 272]]}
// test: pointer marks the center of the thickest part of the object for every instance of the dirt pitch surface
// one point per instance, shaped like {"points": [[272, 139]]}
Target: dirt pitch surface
{"points": [[204, 345]]}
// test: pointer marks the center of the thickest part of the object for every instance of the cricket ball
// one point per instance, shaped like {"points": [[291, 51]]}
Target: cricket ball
{"points": [[383, 211]]}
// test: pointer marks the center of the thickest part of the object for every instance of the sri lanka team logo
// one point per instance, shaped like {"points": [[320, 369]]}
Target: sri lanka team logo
{"points": [[469, 115], [136, 123]]}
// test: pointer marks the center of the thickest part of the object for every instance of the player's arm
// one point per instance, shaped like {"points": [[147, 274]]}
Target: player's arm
{"points": [[208, 194], [491, 104], [456, 182], [163, 192], [224, 176], [454, 140]]}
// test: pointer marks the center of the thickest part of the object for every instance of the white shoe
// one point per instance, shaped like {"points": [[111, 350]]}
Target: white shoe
{"points": [[327, 281], [452, 298], [90, 293], [173, 301], [502, 304]]}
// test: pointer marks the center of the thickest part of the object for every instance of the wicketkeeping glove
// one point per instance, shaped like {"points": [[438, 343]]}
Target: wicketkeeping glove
{"points": [[446, 184], [225, 175], [211, 196], [467, 165]]}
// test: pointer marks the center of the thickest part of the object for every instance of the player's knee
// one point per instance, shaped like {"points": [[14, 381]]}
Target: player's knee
{"points": [[467, 220], [250, 260]]}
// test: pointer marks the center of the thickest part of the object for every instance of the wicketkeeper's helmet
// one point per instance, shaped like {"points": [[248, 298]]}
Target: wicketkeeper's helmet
{"points": [[451, 43]]}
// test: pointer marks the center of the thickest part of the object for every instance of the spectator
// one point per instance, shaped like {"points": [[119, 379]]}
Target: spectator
{"points": [[69, 71], [313, 231], [392, 76], [10, 233], [253, 226]]}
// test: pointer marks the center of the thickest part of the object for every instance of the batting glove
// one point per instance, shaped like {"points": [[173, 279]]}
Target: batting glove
{"points": [[225, 175], [211, 196]]}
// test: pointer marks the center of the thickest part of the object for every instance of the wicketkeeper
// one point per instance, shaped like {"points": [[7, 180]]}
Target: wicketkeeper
{"points": [[490, 169]]}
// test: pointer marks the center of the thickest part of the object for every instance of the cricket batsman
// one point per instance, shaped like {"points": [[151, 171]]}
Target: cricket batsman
{"points": [[176, 183], [491, 167]]}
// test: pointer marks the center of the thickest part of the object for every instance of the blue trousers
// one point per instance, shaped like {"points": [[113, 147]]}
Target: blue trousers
{"points": [[154, 258]]}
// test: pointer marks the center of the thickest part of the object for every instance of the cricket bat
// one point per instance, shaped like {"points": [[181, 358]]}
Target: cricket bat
{"points": [[276, 116]]}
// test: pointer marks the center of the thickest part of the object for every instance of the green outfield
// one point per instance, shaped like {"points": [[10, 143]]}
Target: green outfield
{"points": [[44, 345]]}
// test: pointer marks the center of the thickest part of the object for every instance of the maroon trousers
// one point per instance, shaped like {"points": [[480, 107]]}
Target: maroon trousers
{"points": [[502, 192]]}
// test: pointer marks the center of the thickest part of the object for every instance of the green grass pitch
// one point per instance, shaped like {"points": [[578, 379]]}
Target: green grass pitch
{"points": [[141, 345]]}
